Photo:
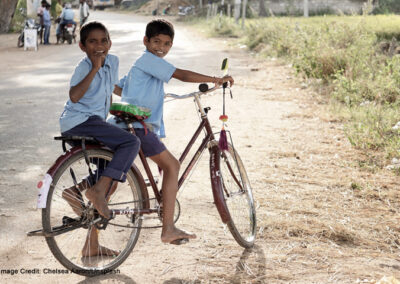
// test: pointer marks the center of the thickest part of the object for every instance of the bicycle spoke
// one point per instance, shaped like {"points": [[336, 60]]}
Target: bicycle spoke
{"points": [[238, 205], [68, 246]]}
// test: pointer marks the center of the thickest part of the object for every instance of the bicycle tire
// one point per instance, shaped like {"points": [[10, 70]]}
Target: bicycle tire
{"points": [[67, 247], [20, 42], [233, 195]]}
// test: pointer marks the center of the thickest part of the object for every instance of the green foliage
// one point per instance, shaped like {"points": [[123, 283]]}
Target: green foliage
{"points": [[223, 26], [344, 53], [17, 22], [388, 7]]}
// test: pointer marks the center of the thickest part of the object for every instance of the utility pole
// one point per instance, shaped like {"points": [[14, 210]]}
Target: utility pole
{"points": [[244, 2], [236, 11], [263, 11], [306, 8]]}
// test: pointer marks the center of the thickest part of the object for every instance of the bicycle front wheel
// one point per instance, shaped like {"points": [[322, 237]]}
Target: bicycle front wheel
{"points": [[233, 195], [88, 250]]}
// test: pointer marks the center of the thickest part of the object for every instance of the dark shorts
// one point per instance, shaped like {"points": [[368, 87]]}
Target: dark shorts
{"points": [[151, 145]]}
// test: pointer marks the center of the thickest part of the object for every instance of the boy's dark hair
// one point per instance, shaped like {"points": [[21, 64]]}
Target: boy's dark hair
{"points": [[89, 27], [159, 26]]}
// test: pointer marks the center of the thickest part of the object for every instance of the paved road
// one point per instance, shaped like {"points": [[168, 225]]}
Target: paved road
{"points": [[33, 90]]}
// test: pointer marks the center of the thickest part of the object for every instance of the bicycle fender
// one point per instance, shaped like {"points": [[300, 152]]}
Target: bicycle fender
{"points": [[44, 187], [45, 184], [216, 184]]}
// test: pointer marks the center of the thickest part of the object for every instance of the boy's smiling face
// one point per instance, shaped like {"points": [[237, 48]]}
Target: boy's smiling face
{"points": [[159, 45], [97, 44]]}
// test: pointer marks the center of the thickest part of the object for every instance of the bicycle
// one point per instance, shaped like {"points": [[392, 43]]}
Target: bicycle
{"points": [[63, 229]]}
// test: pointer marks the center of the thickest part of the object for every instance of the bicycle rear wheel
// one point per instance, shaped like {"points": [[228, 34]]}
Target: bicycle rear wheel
{"points": [[121, 233], [233, 195]]}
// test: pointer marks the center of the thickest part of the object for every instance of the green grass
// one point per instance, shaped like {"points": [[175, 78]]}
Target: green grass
{"points": [[17, 22], [345, 53]]}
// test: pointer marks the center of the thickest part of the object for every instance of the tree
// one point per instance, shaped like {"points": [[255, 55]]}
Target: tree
{"points": [[7, 9], [262, 11]]}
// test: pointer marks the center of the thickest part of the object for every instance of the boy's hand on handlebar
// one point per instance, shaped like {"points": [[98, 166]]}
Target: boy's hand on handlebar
{"points": [[227, 78]]}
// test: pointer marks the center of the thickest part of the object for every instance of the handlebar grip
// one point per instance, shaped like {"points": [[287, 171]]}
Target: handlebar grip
{"points": [[203, 87]]}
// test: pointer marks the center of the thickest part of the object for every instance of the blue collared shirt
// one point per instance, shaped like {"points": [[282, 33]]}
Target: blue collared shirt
{"points": [[144, 86], [46, 17], [67, 15], [97, 98]]}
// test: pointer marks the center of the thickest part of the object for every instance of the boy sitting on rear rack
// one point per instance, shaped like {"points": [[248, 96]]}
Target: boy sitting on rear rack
{"points": [[144, 86], [84, 114]]}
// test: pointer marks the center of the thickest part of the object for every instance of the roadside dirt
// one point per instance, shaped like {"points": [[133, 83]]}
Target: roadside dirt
{"points": [[321, 218]]}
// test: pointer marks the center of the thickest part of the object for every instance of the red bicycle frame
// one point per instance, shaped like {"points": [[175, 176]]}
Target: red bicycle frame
{"points": [[204, 124]]}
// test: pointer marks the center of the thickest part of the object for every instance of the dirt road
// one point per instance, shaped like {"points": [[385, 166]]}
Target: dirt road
{"points": [[321, 218]]}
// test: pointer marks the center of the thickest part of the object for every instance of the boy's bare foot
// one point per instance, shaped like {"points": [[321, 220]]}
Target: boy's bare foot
{"points": [[98, 251], [74, 198], [176, 236], [92, 246], [98, 201]]}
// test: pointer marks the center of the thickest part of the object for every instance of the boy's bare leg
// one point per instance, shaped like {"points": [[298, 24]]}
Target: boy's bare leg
{"points": [[170, 166], [97, 193], [74, 198], [92, 246]]}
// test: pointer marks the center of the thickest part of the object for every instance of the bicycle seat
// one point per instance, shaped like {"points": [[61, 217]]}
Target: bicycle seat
{"points": [[129, 113]]}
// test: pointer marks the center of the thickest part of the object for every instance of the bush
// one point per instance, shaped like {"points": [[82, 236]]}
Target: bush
{"points": [[344, 52], [387, 7], [17, 22]]}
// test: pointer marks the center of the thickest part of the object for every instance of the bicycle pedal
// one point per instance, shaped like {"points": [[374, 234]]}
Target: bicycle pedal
{"points": [[68, 220]]}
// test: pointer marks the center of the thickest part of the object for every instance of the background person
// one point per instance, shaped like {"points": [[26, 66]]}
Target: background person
{"points": [[83, 12], [47, 24], [66, 17], [40, 11]]}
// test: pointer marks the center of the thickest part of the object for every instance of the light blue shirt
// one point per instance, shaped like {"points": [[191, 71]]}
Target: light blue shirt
{"points": [[144, 86], [97, 98], [67, 15], [46, 17]]}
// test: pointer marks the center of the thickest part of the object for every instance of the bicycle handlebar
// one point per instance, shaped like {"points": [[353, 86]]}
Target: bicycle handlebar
{"points": [[174, 96]]}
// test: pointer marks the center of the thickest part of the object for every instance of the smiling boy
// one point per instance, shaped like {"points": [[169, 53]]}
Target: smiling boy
{"points": [[144, 86], [84, 114]]}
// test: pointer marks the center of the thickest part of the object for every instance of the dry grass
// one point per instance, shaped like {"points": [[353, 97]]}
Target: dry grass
{"points": [[321, 218]]}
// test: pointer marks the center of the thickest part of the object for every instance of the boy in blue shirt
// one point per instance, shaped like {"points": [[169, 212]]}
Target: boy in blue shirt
{"points": [[84, 114], [144, 86]]}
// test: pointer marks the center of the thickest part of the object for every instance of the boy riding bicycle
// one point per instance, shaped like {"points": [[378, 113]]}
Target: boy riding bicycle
{"points": [[84, 114], [144, 86]]}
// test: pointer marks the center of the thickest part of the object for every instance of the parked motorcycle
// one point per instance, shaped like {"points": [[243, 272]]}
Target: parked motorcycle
{"points": [[29, 23]]}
